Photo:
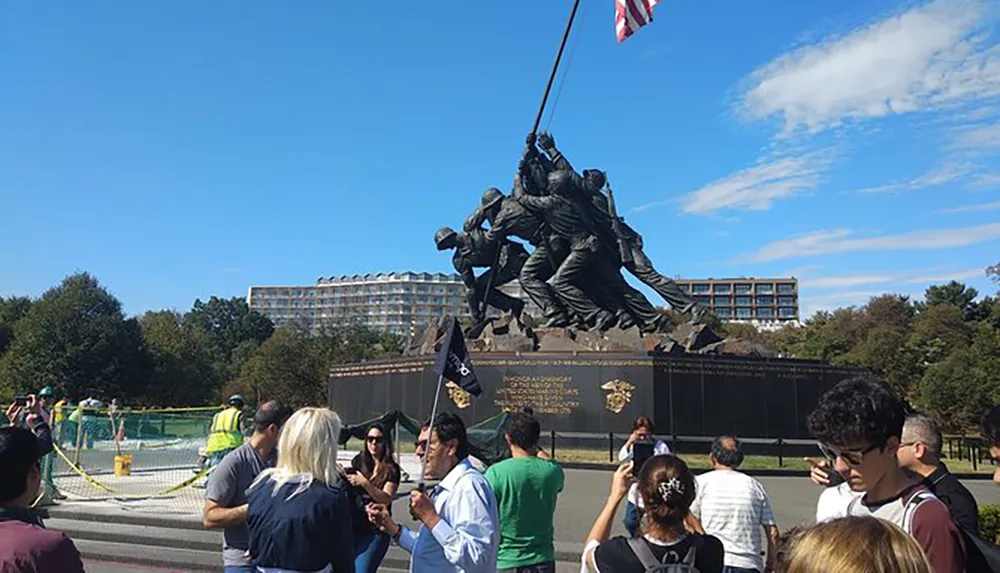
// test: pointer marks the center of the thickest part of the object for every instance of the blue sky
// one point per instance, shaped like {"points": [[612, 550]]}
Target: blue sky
{"points": [[182, 149]]}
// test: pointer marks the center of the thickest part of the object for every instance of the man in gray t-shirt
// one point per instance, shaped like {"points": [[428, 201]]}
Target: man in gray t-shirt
{"points": [[225, 497]]}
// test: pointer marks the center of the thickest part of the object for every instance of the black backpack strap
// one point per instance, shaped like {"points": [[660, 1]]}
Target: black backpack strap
{"points": [[643, 552]]}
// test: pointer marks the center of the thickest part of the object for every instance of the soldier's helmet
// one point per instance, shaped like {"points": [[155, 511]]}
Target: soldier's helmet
{"points": [[595, 179], [442, 235], [491, 197]]}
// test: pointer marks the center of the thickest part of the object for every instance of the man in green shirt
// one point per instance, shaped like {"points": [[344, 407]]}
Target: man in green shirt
{"points": [[526, 488]]}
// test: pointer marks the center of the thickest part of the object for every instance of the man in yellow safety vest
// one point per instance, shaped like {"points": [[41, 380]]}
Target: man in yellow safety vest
{"points": [[227, 431]]}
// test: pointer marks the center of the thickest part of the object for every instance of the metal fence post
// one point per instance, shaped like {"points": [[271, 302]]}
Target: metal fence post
{"points": [[974, 454], [611, 447], [781, 459], [553, 452]]}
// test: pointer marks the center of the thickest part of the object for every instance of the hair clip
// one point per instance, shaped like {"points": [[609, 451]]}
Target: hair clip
{"points": [[670, 489]]}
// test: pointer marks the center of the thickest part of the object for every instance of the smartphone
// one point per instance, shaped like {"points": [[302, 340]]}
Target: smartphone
{"points": [[20, 400], [641, 452], [350, 471]]}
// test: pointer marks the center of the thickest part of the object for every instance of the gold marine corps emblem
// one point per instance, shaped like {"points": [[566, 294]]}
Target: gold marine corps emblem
{"points": [[460, 397], [620, 394]]}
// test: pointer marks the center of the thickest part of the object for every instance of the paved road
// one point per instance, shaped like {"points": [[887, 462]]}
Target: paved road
{"points": [[105, 567]]}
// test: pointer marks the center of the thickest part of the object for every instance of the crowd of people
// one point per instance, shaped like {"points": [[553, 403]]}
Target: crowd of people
{"points": [[285, 504]]}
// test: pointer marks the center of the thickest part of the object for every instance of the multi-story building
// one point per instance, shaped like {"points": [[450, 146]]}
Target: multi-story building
{"points": [[394, 302], [764, 302]]}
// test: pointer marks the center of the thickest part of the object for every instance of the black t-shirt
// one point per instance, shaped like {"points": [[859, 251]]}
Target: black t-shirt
{"points": [[616, 556], [392, 476]]}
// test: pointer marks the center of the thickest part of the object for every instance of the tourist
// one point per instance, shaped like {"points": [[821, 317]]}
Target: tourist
{"points": [[25, 545], [667, 488], [541, 451], [855, 545], [734, 507], [989, 429], [375, 474], [859, 425], [920, 455], [226, 432], [459, 528], [526, 488], [299, 516], [225, 497], [642, 431]]}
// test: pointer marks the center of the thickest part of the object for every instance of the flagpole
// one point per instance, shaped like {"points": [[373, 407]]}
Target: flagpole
{"points": [[430, 432], [555, 68]]}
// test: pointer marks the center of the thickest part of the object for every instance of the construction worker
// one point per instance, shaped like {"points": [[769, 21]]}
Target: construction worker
{"points": [[227, 431]]}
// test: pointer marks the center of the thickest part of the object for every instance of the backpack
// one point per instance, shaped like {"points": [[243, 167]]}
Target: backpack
{"points": [[981, 556], [652, 565]]}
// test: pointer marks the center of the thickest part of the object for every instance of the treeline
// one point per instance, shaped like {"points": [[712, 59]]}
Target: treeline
{"points": [[942, 352], [76, 339]]}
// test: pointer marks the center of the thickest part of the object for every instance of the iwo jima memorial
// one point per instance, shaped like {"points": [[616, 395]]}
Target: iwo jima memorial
{"points": [[600, 354]]}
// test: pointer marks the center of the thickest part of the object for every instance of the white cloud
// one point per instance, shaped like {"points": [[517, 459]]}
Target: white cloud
{"points": [[941, 175], [842, 241], [811, 304], [946, 277], [985, 180], [845, 281], [970, 208], [901, 277], [931, 57], [758, 187], [978, 138]]}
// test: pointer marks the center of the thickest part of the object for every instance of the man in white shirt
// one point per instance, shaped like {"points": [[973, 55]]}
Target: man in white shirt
{"points": [[734, 507], [460, 528], [642, 430]]}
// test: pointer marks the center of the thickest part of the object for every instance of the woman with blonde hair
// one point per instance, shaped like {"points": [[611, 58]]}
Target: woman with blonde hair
{"points": [[299, 515], [855, 545]]}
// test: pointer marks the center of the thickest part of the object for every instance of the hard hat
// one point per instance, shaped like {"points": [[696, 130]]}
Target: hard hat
{"points": [[236, 398], [443, 234], [45, 392], [491, 197]]}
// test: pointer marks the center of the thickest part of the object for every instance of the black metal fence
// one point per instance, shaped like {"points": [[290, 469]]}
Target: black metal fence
{"points": [[955, 447]]}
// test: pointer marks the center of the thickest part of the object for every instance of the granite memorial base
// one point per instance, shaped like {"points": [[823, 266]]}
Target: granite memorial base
{"points": [[602, 392]]}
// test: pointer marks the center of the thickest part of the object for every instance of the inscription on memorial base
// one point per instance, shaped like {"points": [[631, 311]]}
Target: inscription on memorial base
{"points": [[545, 394]]}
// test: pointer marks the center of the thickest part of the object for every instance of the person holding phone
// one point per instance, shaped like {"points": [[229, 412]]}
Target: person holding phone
{"points": [[643, 434], [375, 474]]}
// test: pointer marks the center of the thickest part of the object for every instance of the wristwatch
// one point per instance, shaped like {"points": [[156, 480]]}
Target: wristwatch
{"points": [[397, 535]]}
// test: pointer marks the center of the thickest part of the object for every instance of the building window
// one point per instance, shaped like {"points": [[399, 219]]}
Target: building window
{"points": [[701, 288], [765, 288], [765, 313], [786, 288], [786, 300], [743, 313], [723, 312], [786, 312], [742, 301], [722, 288], [766, 300], [742, 288], [685, 288], [721, 300], [702, 298]]}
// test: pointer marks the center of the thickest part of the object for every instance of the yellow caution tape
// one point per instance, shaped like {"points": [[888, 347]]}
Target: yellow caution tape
{"points": [[117, 495]]}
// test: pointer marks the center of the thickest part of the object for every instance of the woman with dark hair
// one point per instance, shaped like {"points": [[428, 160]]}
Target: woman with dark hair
{"points": [[643, 430], [667, 489], [376, 474]]}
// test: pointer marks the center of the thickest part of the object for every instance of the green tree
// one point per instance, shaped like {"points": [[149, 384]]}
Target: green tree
{"points": [[228, 323], [938, 331], [953, 293], [289, 366], [76, 340], [182, 373], [12, 310]]}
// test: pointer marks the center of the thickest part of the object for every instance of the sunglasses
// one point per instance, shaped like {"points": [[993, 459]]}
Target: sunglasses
{"points": [[376, 439], [853, 458]]}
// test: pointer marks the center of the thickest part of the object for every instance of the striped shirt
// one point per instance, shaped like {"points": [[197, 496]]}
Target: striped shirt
{"points": [[733, 507]]}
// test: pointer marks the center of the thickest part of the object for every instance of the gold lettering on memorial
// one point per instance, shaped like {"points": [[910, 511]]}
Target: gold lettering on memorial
{"points": [[545, 394], [458, 396], [619, 394]]}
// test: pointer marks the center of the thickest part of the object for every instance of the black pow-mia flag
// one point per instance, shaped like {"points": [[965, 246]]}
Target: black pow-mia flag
{"points": [[453, 361]]}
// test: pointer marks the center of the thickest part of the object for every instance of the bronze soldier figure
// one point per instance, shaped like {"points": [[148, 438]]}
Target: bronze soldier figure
{"points": [[472, 250]]}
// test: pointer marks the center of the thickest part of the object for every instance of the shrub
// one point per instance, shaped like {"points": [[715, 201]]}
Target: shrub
{"points": [[989, 522]]}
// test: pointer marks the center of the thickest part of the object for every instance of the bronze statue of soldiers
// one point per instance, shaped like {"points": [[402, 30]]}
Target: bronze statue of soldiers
{"points": [[638, 263], [472, 250]]}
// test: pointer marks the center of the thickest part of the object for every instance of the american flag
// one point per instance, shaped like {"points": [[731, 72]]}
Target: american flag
{"points": [[630, 15]]}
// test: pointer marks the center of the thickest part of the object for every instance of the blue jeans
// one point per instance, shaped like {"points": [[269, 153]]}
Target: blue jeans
{"points": [[631, 521], [239, 569], [729, 569], [369, 550]]}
